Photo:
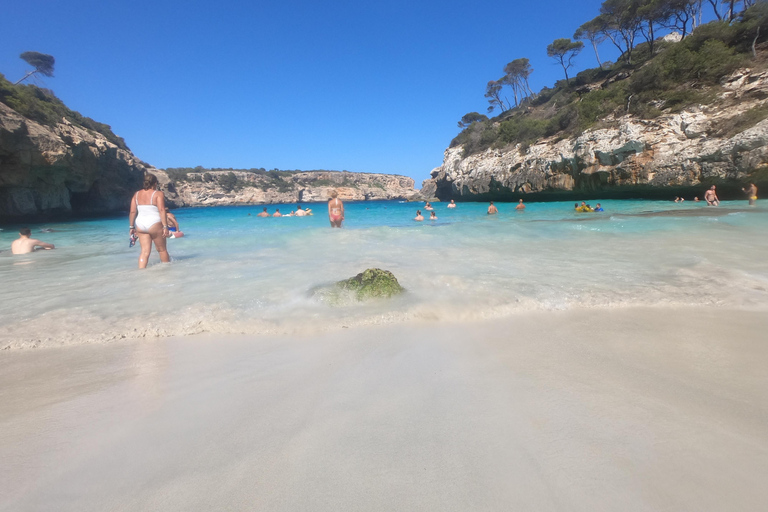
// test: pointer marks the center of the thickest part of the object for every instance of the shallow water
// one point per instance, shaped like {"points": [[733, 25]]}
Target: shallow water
{"points": [[238, 273]]}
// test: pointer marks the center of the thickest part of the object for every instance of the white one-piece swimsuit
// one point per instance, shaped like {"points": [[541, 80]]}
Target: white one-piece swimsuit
{"points": [[148, 215]]}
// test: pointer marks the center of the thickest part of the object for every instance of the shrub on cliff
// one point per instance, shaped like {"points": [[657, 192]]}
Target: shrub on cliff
{"points": [[42, 106], [671, 78]]}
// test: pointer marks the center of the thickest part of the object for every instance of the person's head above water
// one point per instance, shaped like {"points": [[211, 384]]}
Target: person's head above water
{"points": [[150, 181], [334, 194], [265, 208], [25, 232]]}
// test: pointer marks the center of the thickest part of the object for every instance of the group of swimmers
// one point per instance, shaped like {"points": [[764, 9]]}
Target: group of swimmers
{"points": [[298, 212], [584, 207], [710, 196], [152, 223]]}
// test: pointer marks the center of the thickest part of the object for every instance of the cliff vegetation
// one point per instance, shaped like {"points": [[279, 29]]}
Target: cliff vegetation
{"points": [[651, 78], [42, 106]]}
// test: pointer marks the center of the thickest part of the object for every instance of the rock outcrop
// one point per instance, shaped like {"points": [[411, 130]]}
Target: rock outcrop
{"points": [[67, 169], [669, 155], [294, 187], [61, 169]]}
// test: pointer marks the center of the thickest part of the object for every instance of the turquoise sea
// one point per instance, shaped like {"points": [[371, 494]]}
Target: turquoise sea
{"points": [[235, 272]]}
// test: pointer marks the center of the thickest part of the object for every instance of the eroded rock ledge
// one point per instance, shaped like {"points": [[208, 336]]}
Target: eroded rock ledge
{"points": [[671, 155]]}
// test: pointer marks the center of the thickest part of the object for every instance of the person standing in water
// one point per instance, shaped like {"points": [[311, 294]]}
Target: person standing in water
{"points": [[452, 204], [419, 217], [148, 220], [492, 209], [751, 192], [711, 197], [432, 215], [520, 205], [26, 244], [264, 213], [335, 210]]}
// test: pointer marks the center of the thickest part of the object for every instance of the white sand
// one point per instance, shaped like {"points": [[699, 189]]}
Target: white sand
{"points": [[627, 410]]}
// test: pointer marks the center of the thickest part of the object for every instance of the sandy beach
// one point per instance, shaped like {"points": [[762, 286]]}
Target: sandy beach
{"points": [[633, 409]]}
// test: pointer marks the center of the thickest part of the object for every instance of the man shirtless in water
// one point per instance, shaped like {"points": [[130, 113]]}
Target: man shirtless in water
{"points": [[492, 209], [711, 197], [24, 244], [335, 210], [751, 192]]}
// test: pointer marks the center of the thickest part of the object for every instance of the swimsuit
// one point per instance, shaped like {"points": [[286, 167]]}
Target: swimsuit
{"points": [[335, 213], [148, 215]]}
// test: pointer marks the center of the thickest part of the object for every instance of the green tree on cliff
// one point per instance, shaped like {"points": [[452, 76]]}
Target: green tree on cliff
{"points": [[563, 51], [592, 31], [516, 75], [493, 93], [42, 63], [472, 117]]}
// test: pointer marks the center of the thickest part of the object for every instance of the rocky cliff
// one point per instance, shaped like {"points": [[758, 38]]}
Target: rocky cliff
{"points": [[724, 143], [64, 168], [243, 187], [61, 169]]}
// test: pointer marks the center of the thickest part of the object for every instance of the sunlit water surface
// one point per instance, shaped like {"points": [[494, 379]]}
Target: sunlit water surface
{"points": [[234, 272]]}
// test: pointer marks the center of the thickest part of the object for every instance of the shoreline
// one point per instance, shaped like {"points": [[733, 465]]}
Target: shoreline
{"points": [[631, 409]]}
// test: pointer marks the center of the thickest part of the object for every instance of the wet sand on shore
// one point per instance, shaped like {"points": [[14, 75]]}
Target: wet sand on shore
{"points": [[625, 409]]}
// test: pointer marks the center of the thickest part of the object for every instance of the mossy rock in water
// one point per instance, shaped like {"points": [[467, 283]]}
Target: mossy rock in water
{"points": [[372, 283]]}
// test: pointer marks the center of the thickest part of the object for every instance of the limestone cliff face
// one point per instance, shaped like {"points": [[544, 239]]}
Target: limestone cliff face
{"points": [[671, 154], [299, 187], [61, 169], [66, 169]]}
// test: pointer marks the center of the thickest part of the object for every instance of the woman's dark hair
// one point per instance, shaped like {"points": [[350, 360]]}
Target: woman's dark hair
{"points": [[150, 181]]}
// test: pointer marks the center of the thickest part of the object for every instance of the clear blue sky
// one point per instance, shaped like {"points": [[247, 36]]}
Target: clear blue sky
{"points": [[294, 84]]}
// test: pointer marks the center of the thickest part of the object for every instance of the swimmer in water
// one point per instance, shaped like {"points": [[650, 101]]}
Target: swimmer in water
{"points": [[26, 244], [452, 204], [599, 208], [492, 210], [751, 192], [148, 220], [520, 205], [264, 213], [173, 225], [419, 216], [277, 213], [335, 210], [428, 207], [299, 211], [432, 215]]}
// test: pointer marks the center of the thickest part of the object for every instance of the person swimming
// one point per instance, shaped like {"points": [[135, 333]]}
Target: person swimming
{"points": [[173, 225], [419, 216], [432, 215], [277, 213], [520, 205], [26, 244], [335, 210], [264, 213], [452, 204], [492, 209], [599, 208]]}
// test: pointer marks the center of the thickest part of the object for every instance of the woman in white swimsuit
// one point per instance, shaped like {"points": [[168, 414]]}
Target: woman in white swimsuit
{"points": [[148, 220]]}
